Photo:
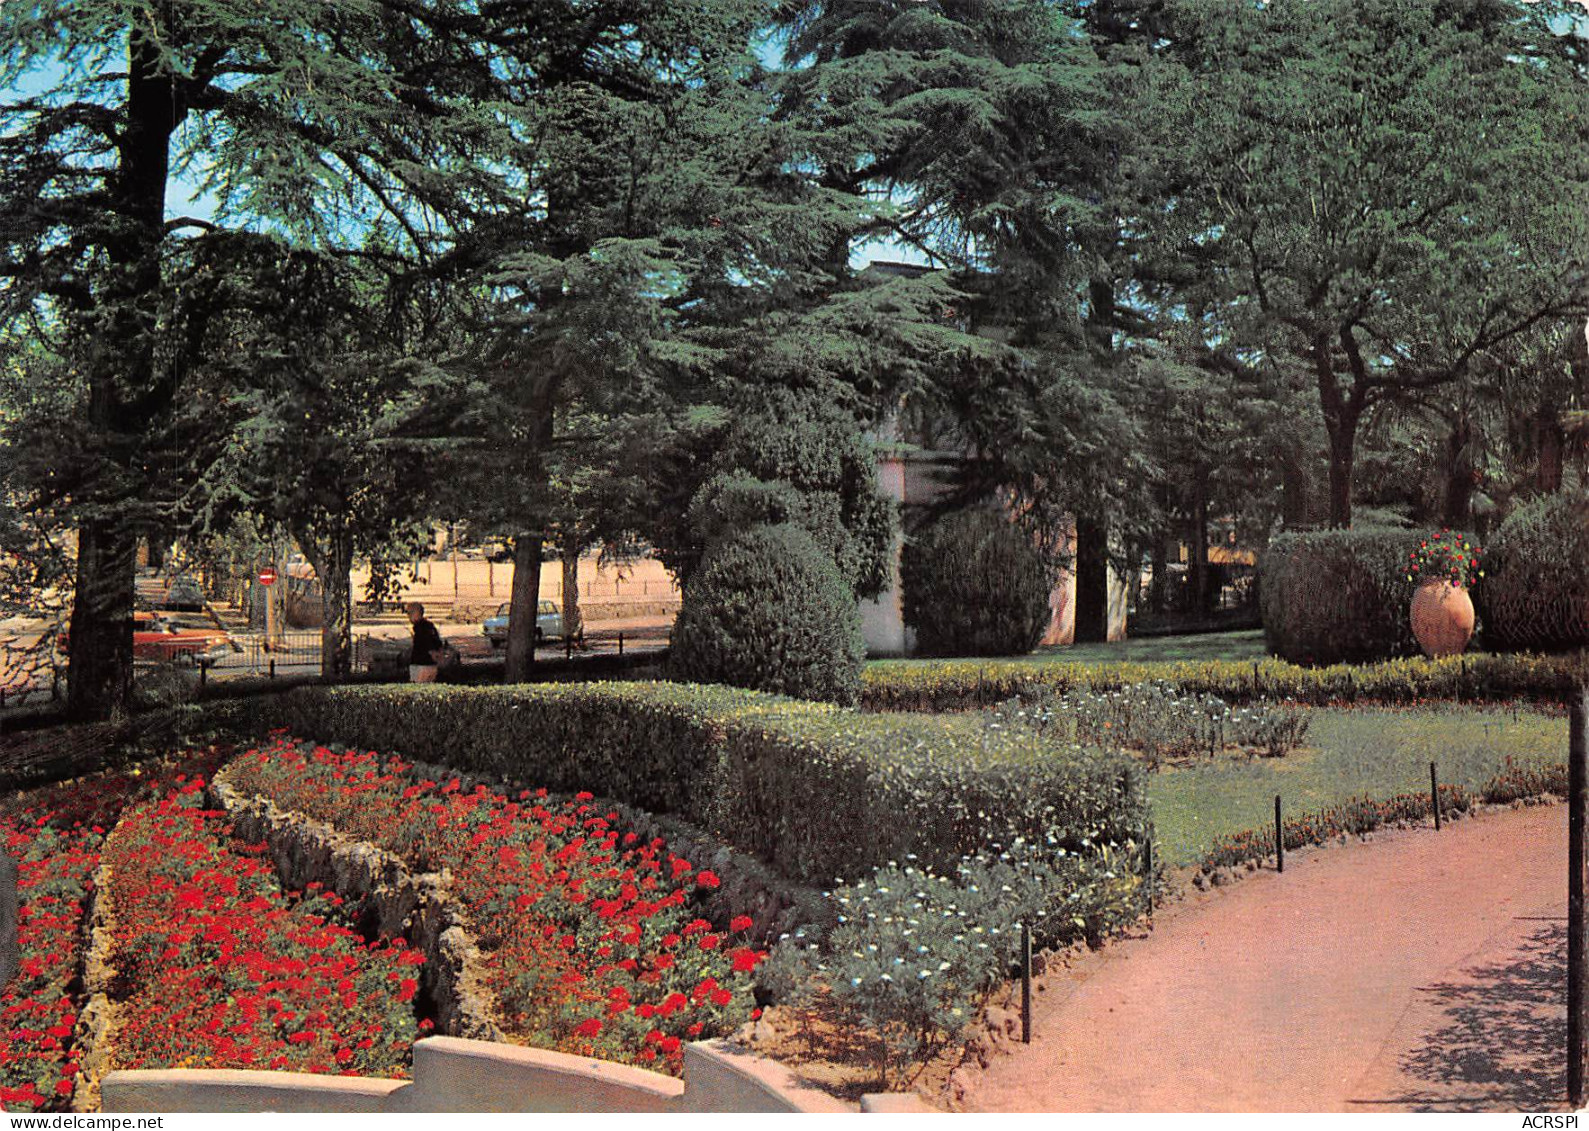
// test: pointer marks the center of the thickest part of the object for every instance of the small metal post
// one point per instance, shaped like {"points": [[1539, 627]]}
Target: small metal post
{"points": [[1578, 802], [620, 644], [1147, 872], [1434, 794], [1280, 839], [204, 671], [273, 667], [1026, 984]]}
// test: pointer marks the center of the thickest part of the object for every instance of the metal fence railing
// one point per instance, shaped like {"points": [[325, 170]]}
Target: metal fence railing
{"points": [[255, 655], [296, 655]]}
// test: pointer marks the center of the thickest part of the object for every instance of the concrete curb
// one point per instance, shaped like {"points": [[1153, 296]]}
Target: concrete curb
{"points": [[455, 1074]]}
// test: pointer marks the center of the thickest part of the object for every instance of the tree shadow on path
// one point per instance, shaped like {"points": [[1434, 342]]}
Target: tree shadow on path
{"points": [[1501, 1036]]}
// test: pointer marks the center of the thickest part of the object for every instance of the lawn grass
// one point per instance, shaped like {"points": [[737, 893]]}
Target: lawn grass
{"points": [[1350, 753], [1246, 645]]}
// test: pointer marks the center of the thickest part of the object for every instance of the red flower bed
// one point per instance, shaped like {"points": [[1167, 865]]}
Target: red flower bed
{"points": [[594, 938], [55, 835], [218, 968], [37, 1010]]}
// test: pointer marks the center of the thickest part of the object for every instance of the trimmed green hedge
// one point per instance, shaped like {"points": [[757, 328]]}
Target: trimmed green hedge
{"points": [[1338, 596], [1535, 592], [820, 792], [961, 685]]}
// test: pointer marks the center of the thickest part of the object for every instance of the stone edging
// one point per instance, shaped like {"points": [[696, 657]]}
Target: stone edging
{"points": [[419, 908], [96, 1024]]}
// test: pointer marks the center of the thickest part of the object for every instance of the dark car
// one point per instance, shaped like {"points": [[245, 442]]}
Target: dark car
{"points": [[182, 595]]}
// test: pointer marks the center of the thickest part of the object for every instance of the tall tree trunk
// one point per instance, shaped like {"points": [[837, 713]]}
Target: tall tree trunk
{"points": [[528, 545], [1092, 580], [1296, 506], [332, 558], [1343, 455], [1161, 569], [1551, 442], [1197, 568], [99, 673], [573, 621], [525, 609], [125, 397], [1342, 412], [1092, 532], [1457, 504]]}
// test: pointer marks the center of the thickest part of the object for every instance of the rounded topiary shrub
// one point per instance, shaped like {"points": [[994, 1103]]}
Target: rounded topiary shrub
{"points": [[1534, 595], [974, 585], [768, 610], [1338, 596]]}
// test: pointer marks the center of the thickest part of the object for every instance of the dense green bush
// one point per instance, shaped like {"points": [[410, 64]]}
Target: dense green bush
{"points": [[818, 791], [974, 585], [1535, 591], [961, 685], [776, 455], [1338, 596], [769, 611]]}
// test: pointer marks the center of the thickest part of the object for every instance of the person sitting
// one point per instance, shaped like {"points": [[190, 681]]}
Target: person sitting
{"points": [[424, 658]]}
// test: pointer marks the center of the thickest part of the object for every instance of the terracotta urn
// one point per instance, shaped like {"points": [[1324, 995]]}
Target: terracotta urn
{"points": [[1442, 618]]}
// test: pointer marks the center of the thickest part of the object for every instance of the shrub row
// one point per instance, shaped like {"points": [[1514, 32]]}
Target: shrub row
{"points": [[1364, 814], [818, 791], [959, 685], [1159, 722], [1334, 596], [1535, 594]]}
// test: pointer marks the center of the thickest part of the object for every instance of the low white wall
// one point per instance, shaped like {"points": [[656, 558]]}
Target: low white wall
{"points": [[453, 1074], [187, 1089], [720, 1077]]}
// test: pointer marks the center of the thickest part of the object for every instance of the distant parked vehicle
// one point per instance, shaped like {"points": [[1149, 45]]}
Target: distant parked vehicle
{"points": [[183, 595], [156, 640], [548, 624]]}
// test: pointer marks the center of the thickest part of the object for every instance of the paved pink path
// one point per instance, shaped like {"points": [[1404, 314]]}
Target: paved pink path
{"points": [[1421, 970]]}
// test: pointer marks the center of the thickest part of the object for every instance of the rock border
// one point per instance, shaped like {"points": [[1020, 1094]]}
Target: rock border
{"points": [[419, 908], [95, 1030]]}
